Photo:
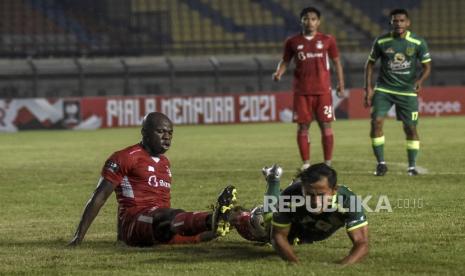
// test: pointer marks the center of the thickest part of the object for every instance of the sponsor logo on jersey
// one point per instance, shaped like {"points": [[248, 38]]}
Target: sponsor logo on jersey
{"points": [[399, 58], [111, 166], [155, 182], [389, 51], [151, 169], [399, 63], [300, 47], [319, 44], [304, 56]]}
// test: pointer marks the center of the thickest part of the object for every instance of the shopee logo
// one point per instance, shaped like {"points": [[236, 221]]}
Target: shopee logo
{"points": [[439, 107]]}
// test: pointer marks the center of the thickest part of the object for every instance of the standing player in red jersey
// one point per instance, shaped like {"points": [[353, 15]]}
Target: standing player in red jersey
{"points": [[311, 51], [141, 178]]}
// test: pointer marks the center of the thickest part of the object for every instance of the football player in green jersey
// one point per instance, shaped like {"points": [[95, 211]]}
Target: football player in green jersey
{"points": [[399, 51], [310, 209]]}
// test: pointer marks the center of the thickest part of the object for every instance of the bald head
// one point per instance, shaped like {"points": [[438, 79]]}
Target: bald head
{"points": [[154, 119], [157, 132]]}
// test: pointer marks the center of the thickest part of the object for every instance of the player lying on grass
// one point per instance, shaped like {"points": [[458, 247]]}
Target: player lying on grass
{"points": [[141, 178], [305, 222]]}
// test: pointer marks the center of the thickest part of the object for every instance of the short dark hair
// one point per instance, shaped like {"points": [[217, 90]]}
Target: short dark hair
{"points": [[316, 172], [310, 9], [398, 11]]}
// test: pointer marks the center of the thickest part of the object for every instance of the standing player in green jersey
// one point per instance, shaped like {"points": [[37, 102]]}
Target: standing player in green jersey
{"points": [[397, 84]]}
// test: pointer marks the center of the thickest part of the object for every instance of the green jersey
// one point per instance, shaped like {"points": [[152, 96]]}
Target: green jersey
{"points": [[345, 210], [399, 57]]}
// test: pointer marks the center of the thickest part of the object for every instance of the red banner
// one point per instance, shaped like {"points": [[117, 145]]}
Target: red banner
{"points": [[224, 109], [119, 111]]}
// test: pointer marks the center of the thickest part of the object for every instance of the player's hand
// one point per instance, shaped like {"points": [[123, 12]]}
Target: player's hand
{"points": [[368, 96], [340, 91], [276, 76], [418, 86], [75, 241]]}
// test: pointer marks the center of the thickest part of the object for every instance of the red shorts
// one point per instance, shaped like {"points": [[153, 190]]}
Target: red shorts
{"points": [[137, 227], [307, 106]]}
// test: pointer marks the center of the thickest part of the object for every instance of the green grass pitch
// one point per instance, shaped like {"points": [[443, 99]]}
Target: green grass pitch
{"points": [[47, 176]]}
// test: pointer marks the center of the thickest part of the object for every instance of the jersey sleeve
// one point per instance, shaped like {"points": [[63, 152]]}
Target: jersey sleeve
{"points": [[115, 168], [288, 52], [333, 51], [355, 217], [375, 52], [423, 52]]}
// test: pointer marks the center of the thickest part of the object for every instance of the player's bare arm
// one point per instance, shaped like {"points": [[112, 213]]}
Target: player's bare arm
{"points": [[423, 76], [359, 238], [97, 200], [368, 85], [281, 244], [340, 77], [282, 67]]}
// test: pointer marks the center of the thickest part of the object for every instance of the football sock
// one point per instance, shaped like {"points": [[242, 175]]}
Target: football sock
{"points": [[272, 188], [241, 220], [327, 139], [413, 147], [191, 223], [303, 142], [378, 148], [272, 191]]}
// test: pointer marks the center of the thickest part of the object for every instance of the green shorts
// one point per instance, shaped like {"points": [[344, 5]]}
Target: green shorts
{"points": [[406, 107]]}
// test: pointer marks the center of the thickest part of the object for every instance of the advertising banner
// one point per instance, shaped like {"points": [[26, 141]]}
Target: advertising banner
{"points": [[119, 111], [432, 101]]}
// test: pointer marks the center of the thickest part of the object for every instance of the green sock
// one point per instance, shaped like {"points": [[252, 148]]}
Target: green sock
{"points": [[272, 190], [413, 147], [378, 148]]}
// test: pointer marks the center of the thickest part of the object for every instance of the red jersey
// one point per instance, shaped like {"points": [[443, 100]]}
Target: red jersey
{"points": [[141, 181], [311, 57]]}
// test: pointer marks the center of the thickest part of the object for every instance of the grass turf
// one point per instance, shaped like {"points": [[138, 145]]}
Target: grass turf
{"points": [[47, 176]]}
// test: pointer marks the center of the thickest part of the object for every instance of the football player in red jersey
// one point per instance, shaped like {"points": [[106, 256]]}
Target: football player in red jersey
{"points": [[141, 178], [311, 51]]}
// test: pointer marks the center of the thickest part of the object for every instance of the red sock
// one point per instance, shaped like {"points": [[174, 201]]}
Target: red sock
{"points": [[327, 139], [180, 239], [304, 145], [190, 223]]}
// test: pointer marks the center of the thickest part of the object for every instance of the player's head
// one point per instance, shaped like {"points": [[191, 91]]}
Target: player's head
{"points": [[319, 182], [157, 132], [310, 19], [399, 21]]}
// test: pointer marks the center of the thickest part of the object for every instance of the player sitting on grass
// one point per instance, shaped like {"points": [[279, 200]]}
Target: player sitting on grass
{"points": [[141, 178], [309, 222]]}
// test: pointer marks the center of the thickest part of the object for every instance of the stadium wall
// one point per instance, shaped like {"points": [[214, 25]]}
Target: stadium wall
{"points": [[127, 111]]}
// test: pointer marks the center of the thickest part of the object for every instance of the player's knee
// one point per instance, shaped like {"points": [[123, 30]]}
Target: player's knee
{"points": [[166, 214], [327, 131], [377, 123], [411, 131], [303, 128]]}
